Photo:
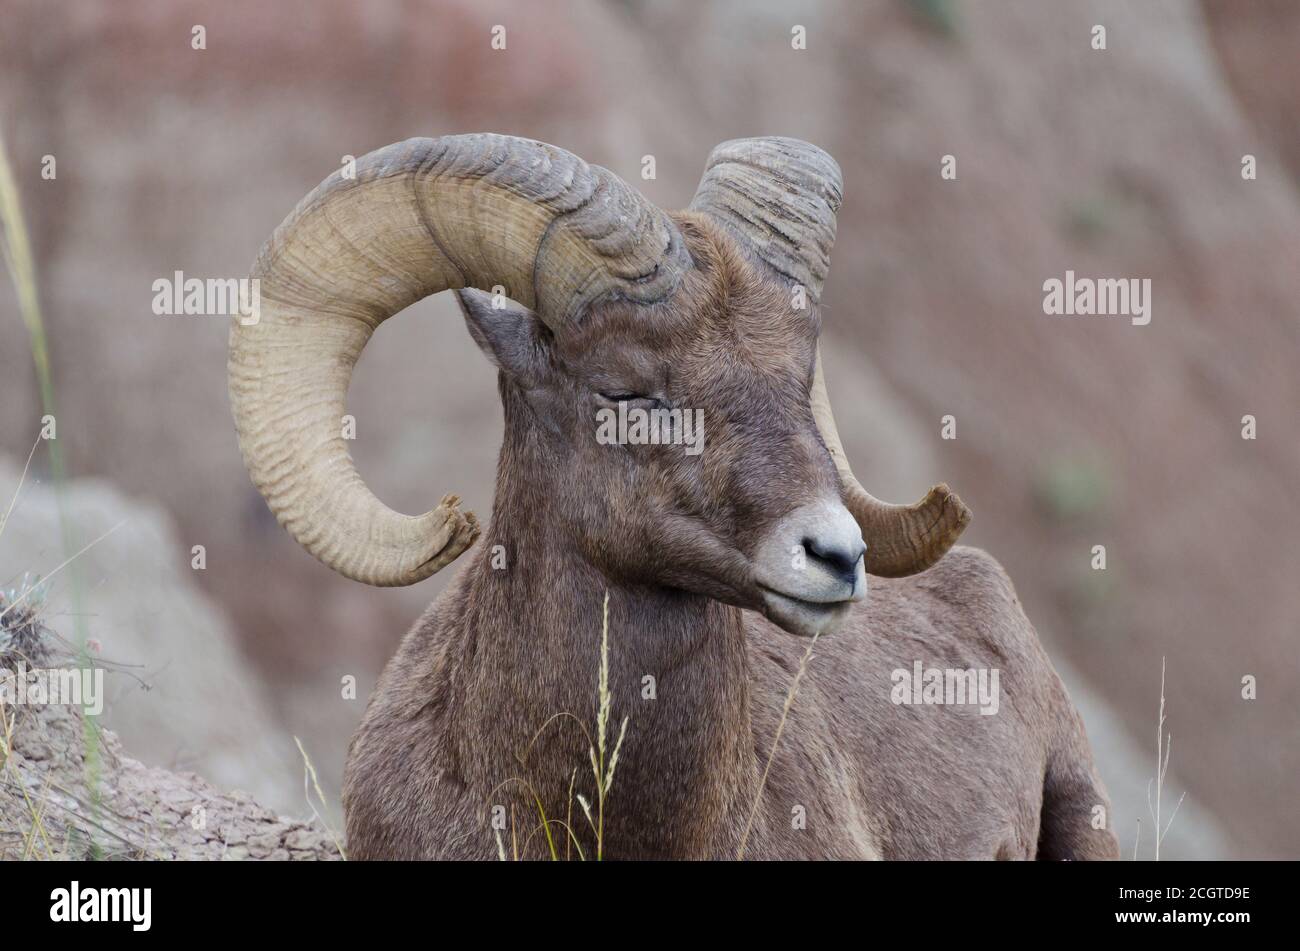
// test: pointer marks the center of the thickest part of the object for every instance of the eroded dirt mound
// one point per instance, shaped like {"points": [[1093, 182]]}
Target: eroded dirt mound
{"points": [[69, 792], [46, 806]]}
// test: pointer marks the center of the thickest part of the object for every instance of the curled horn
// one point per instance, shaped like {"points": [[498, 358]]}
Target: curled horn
{"points": [[418, 217], [780, 196]]}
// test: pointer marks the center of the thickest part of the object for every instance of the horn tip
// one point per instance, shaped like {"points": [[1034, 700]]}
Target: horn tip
{"points": [[952, 509], [457, 531]]}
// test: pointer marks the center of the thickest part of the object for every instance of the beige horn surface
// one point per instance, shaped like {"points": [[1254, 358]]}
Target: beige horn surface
{"points": [[418, 217], [901, 539], [780, 197]]}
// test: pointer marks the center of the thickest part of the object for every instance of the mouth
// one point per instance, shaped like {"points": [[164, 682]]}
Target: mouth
{"points": [[802, 617]]}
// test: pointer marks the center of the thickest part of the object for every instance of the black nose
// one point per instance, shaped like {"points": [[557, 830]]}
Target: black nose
{"points": [[839, 560]]}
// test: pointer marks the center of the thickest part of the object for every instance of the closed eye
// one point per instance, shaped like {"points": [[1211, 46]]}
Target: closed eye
{"points": [[629, 398]]}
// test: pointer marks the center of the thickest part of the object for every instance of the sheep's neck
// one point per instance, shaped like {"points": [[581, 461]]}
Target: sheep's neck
{"points": [[529, 663]]}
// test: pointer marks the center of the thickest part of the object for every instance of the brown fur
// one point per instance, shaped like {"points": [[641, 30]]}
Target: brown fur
{"points": [[447, 733]]}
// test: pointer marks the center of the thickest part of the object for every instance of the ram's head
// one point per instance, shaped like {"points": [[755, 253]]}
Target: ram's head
{"points": [[617, 306]]}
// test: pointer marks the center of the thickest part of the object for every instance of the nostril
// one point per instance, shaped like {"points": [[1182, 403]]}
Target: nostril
{"points": [[840, 559]]}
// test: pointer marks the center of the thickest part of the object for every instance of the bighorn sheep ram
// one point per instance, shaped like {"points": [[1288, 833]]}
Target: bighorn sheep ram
{"points": [[711, 561]]}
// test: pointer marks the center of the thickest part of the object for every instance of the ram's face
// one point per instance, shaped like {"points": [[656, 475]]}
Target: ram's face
{"points": [[682, 439]]}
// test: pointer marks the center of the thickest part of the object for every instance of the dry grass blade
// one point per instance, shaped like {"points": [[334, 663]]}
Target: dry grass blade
{"points": [[18, 258], [38, 824], [67, 561], [309, 773], [776, 741], [19, 487], [1164, 746]]}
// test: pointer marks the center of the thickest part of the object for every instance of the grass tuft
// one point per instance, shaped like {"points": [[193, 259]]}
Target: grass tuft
{"points": [[603, 759]]}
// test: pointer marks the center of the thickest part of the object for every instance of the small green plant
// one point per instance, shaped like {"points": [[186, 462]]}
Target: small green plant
{"points": [[1091, 218], [938, 15], [1072, 487]]}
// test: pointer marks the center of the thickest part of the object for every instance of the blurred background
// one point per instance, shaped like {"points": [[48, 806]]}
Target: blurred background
{"points": [[1070, 432]]}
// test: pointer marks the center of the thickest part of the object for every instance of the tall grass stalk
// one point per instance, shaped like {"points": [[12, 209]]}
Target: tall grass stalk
{"points": [[1164, 745], [604, 776], [17, 250], [603, 759], [597, 751]]}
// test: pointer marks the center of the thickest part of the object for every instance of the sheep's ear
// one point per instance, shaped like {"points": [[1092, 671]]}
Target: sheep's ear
{"points": [[509, 334]]}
